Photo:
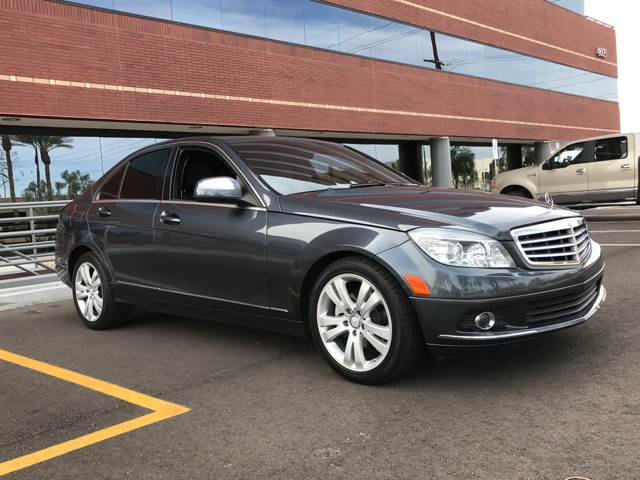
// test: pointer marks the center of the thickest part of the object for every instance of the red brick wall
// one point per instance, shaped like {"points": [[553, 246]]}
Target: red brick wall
{"points": [[46, 40]]}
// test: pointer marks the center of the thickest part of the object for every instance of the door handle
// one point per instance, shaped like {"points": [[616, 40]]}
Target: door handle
{"points": [[104, 212], [169, 218], [625, 166], [580, 171]]}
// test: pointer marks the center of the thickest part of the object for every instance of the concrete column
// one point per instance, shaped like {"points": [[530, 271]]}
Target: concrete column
{"points": [[514, 157], [441, 162], [542, 150], [410, 160]]}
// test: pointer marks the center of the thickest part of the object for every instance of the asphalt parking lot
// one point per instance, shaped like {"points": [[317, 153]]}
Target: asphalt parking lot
{"points": [[267, 406]]}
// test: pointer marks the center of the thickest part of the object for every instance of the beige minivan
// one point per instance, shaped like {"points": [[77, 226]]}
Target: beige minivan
{"points": [[591, 171]]}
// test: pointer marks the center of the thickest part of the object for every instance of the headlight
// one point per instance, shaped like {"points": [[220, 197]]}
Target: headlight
{"points": [[461, 249]]}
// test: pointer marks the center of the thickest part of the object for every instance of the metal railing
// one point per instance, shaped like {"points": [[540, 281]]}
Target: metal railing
{"points": [[27, 237]]}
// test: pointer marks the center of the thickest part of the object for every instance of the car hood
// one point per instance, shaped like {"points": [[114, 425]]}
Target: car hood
{"points": [[517, 172], [408, 207]]}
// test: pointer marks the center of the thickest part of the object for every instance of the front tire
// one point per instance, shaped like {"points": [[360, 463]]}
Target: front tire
{"points": [[93, 295], [362, 322]]}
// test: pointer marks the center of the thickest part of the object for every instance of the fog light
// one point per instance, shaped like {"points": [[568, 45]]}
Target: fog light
{"points": [[485, 321]]}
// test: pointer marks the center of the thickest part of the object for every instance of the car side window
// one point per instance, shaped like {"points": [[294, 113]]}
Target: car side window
{"points": [[144, 176], [569, 156], [194, 164], [111, 188], [610, 149]]}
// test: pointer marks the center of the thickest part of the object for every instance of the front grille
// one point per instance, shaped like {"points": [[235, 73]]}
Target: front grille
{"points": [[561, 308], [559, 243]]}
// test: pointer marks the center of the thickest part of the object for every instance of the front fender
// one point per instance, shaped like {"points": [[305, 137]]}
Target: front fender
{"points": [[296, 244]]}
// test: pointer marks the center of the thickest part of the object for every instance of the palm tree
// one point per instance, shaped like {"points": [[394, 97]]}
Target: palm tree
{"points": [[46, 144], [6, 146], [31, 140], [42, 145]]}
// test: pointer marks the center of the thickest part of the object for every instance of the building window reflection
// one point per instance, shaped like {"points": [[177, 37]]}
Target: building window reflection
{"points": [[320, 25]]}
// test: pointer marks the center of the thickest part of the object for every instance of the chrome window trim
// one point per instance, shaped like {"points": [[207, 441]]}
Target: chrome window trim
{"points": [[561, 224]]}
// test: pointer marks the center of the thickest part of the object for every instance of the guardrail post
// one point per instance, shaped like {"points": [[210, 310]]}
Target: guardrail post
{"points": [[32, 223]]}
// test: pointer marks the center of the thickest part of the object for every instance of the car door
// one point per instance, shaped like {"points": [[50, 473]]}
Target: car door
{"points": [[121, 219], [612, 171], [211, 253], [565, 175]]}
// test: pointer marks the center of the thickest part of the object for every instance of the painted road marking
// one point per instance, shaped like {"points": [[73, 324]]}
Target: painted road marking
{"points": [[160, 410], [620, 244]]}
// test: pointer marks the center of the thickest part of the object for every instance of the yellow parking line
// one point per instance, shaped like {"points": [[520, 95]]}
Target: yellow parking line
{"points": [[161, 410]]}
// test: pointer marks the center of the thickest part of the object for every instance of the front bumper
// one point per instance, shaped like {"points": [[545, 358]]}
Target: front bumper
{"points": [[526, 302], [449, 323]]}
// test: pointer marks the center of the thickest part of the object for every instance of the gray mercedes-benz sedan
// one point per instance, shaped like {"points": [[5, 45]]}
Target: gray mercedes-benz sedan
{"points": [[312, 238]]}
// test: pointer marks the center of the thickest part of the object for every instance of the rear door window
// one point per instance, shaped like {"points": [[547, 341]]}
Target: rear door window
{"points": [[145, 175], [111, 188], [610, 149]]}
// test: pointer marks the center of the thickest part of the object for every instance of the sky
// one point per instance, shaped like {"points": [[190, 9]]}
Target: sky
{"points": [[623, 15]]}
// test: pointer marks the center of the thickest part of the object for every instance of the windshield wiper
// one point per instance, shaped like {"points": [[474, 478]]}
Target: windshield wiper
{"points": [[368, 184]]}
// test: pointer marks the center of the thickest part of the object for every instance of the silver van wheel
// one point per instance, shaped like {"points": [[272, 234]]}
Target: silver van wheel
{"points": [[88, 289], [354, 322]]}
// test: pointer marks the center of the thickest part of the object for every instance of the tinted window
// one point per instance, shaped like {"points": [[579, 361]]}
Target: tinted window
{"points": [[611, 149], [143, 179], [569, 156], [194, 165], [292, 167], [111, 187]]}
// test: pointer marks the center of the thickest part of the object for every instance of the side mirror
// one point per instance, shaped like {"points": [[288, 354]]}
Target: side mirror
{"points": [[217, 188], [547, 165]]}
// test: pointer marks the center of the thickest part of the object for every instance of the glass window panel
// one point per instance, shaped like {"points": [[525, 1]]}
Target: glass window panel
{"points": [[111, 187], [98, 3], [144, 176], [611, 149], [321, 22], [149, 8], [477, 57], [452, 52], [354, 33], [412, 42], [206, 13], [244, 16], [384, 39], [285, 20], [316, 24]]}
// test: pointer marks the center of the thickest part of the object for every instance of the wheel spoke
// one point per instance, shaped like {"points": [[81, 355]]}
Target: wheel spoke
{"points": [[341, 287], [81, 292], [84, 273], [348, 351], [372, 302], [329, 320], [358, 349], [365, 288], [97, 304], [335, 298], [87, 308], [382, 331], [379, 345], [332, 334]]}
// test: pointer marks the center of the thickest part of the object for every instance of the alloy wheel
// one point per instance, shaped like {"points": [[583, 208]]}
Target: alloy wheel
{"points": [[88, 289], [354, 322]]}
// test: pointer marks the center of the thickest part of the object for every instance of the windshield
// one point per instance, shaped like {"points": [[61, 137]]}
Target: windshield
{"points": [[294, 166]]}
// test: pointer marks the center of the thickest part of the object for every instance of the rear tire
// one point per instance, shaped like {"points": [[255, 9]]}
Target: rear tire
{"points": [[362, 322], [93, 295]]}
